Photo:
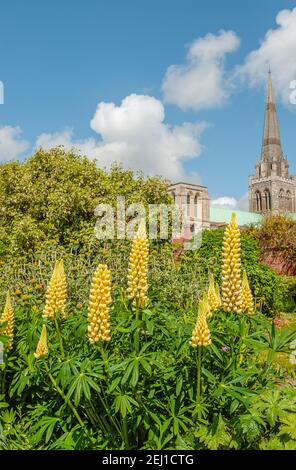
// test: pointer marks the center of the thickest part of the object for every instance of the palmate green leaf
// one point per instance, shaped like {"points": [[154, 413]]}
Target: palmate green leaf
{"points": [[275, 443], [238, 396], [123, 403], [66, 371], [19, 383], [114, 384], [135, 375], [132, 368], [81, 387], [183, 444], [233, 407], [212, 379], [215, 436], [288, 425], [179, 385], [45, 425], [273, 406], [129, 371], [145, 364], [65, 442], [251, 424], [155, 418], [217, 352]]}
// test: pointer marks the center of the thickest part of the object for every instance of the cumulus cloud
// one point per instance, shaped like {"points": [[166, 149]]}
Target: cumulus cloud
{"points": [[202, 82], [277, 51], [135, 134], [11, 144], [227, 202]]}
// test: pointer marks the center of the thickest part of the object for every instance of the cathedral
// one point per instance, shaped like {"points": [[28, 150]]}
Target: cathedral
{"points": [[272, 190]]}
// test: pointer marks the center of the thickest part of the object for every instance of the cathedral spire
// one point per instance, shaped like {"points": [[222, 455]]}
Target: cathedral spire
{"points": [[272, 190], [271, 145]]}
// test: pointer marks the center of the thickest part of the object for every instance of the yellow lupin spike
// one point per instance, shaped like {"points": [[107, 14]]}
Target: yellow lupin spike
{"points": [[206, 305], [8, 318], [231, 268], [201, 335], [56, 294], [218, 295], [213, 299], [99, 305], [247, 297], [42, 349], [138, 269]]}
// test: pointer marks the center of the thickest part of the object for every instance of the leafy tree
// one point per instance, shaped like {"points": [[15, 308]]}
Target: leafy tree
{"points": [[53, 194]]}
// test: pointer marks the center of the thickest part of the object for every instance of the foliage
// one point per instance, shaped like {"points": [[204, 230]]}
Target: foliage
{"points": [[145, 399], [268, 288], [276, 236], [51, 197], [142, 389]]}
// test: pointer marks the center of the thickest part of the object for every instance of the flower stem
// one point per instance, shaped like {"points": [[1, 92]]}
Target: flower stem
{"points": [[66, 399], [198, 383], [137, 334], [59, 337], [125, 433]]}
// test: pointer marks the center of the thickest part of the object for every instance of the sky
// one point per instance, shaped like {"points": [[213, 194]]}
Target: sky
{"points": [[171, 87]]}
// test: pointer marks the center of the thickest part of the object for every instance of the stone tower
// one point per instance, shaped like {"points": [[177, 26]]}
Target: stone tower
{"points": [[272, 190]]}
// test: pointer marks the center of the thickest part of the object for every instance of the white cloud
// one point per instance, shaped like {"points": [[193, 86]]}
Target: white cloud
{"points": [[224, 202], [277, 51], [11, 144], [227, 202], [201, 83], [135, 134]]}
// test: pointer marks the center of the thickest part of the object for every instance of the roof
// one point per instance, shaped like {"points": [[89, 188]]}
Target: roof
{"points": [[222, 215], [188, 184]]}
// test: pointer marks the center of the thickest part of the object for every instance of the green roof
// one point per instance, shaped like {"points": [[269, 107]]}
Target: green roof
{"points": [[222, 215]]}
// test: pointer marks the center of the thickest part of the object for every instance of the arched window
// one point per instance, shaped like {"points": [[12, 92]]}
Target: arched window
{"points": [[267, 200], [188, 203], [196, 198], [258, 201]]}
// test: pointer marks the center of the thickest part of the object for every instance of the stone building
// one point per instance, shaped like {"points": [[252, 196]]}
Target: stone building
{"points": [[194, 201], [272, 190]]}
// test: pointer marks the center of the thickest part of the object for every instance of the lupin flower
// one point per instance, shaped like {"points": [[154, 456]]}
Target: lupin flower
{"points": [[247, 297], [42, 349], [231, 268], [213, 299], [201, 335], [138, 269], [206, 304], [8, 318], [218, 295], [56, 294], [99, 305]]}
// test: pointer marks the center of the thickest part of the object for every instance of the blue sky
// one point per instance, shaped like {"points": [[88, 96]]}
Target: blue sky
{"points": [[60, 59]]}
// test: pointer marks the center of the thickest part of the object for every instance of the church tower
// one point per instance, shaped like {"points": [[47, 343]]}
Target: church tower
{"points": [[272, 190]]}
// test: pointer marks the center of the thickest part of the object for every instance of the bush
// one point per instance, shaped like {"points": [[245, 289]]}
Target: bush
{"points": [[146, 399], [276, 237], [268, 288], [51, 197]]}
